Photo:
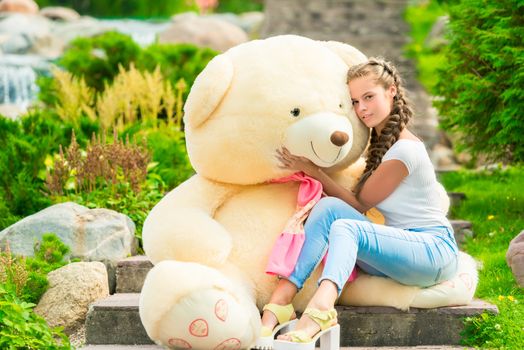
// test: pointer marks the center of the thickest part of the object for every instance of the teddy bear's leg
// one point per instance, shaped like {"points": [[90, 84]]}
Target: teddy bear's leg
{"points": [[191, 306]]}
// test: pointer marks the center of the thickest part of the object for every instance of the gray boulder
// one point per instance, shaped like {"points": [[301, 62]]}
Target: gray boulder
{"points": [[204, 31], [515, 258], [92, 234]]}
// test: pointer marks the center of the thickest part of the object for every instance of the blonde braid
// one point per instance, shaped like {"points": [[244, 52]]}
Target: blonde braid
{"points": [[401, 113]]}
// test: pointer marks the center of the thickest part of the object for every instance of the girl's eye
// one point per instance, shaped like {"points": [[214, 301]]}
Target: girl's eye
{"points": [[354, 102], [369, 97], [295, 112]]}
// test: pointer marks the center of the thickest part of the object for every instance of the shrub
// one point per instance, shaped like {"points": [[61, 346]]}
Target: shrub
{"points": [[22, 283], [107, 175], [481, 84], [27, 277], [239, 6], [21, 328], [97, 58], [25, 145], [128, 8]]}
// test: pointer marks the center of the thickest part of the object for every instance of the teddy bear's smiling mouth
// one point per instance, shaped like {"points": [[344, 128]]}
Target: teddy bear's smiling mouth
{"points": [[325, 161]]}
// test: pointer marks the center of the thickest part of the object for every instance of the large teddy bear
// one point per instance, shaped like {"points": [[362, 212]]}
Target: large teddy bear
{"points": [[210, 237]]}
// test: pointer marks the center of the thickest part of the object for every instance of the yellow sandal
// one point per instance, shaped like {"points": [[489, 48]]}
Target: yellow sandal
{"points": [[329, 333], [283, 314]]}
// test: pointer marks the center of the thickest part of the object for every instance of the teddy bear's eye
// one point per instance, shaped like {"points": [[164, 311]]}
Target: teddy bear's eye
{"points": [[295, 112], [340, 105]]}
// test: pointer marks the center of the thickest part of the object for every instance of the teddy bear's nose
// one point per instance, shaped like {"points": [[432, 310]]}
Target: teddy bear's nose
{"points": [[339, 138]]}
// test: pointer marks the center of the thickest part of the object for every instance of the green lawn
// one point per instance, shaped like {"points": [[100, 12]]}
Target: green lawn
{"points": [[495, 206]]}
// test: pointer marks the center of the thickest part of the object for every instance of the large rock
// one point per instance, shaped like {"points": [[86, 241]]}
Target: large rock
{"points": [[21, 6], [92, 234], [59, 13], [23, 34], [72, 289], [203, 31], [515, 257]]}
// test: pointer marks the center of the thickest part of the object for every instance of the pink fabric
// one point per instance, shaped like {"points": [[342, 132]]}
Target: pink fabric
{"points": [[286, 249]]}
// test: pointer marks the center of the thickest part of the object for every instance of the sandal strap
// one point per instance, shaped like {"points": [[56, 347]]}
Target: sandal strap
{"points": [[283, 313], [325, 318], [299, 337]]}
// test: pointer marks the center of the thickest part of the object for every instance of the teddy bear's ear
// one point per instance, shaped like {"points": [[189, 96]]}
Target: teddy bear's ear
{"points": [[208, 90], [348, 53]]}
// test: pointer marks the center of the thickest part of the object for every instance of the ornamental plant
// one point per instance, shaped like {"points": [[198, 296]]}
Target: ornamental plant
{"points": [[480, 86]]}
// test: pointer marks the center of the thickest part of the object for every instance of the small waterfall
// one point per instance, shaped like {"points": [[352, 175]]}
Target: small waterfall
{"points": [[17, 85]]}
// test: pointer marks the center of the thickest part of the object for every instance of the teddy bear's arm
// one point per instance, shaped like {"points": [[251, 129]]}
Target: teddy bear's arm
{"points": [[181, 226]]}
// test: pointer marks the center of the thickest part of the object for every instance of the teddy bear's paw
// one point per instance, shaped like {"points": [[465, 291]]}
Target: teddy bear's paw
{"points": [[208, 319], [192, 306]]}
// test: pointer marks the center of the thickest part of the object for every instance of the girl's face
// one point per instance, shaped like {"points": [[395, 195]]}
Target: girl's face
{"points": [[371, 101]]}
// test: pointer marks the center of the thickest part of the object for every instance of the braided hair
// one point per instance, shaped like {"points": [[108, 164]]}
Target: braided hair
{"points": [[401, 112]]}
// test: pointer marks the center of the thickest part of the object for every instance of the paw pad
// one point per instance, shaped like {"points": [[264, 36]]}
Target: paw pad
{"points": [[178, 343], [199, 328], [221, 310], [466, 278], [229, 344], [449, 284]]}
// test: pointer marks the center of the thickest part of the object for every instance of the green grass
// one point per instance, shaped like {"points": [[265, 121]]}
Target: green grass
{"points": [[495, 206], [421, 15]]}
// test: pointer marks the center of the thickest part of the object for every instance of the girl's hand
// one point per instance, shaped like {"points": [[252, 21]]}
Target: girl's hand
{"points": [[291, 162]]}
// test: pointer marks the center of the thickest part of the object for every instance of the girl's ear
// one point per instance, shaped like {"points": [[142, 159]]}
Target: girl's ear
{"points": [[393, 90], [208, 90]]}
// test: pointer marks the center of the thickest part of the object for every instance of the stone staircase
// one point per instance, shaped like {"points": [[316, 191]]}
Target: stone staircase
{"points": [[114, 322]]}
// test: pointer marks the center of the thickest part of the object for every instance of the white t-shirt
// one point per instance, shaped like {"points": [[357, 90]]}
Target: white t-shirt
{"points": [[420, 200]]}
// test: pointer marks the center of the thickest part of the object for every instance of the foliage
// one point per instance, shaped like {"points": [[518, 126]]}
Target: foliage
{"points": [[98, 59], [495, 206], [103, 166], [106, 175], [133, 95], [239, 6], [481, 83], [22, 283], [121, 8], [26, 276], [21, 328], [422, 16], [168, 147]]}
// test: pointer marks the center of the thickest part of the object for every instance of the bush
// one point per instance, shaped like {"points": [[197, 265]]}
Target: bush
{"points": [[107, 175], [25, 146], [21, 328], [27, 277], [127, 8], [239, 6], [481, 84], [97, 60], [22, 283]]}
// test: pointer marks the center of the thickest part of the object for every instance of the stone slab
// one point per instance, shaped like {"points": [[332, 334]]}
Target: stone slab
{"points": [[115, 320], [131, 273], [156, 347], [462, 229]]}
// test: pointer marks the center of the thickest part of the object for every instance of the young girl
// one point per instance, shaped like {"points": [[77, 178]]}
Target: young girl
{"points": [[415, 247]]}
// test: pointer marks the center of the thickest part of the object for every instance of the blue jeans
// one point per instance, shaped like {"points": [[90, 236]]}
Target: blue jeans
{"points": [[417, 256]]}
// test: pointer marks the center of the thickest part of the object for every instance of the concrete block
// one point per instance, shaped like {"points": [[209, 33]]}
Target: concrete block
{"points": [[115, 320], [131, 273]]}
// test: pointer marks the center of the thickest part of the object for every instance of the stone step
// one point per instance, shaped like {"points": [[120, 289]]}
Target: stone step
{"points": [[156, 347], [115, 320], [462, 229], [131, 272], [456, 198]]}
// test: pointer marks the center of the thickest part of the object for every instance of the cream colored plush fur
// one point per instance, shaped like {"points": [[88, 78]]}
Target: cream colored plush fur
{"points": [[210, 237]]}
